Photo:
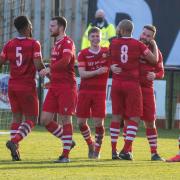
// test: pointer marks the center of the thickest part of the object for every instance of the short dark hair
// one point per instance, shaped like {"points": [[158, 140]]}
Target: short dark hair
{"points": [[61, 21], [21, 23], [151, 28], [94, 30]]}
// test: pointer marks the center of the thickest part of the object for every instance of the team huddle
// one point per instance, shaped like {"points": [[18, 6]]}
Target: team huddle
{"points": [[134, 65]]}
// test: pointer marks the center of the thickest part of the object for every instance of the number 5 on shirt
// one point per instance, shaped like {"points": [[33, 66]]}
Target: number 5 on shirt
{"points": [[18, 56]]}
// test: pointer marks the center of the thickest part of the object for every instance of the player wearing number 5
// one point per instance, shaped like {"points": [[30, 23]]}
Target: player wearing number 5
{"points": [[126, 92], [24, 56]]}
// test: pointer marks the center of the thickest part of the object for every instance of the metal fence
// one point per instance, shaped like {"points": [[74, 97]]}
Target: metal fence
{"points": [[40, 12], [172, 77]]}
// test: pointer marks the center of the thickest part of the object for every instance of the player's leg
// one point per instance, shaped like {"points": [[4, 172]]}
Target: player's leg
{"points": [[86, 133], [21, 101], [17, 119], [99, 135], [16, 111], [28, 101], [58, 119], [67, 99], [98, 110], [131, 130], [14, 148], [114, 132], [116, 119], [124, 132], [50, 106], [83, 113], [152, 135], [149, 118], [133, 110], [66, 138]]}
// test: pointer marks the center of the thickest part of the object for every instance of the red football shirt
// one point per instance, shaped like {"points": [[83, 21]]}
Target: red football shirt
{"points": [[146, 67], [91, 61], [21, 52], [63, 77], [126, 53]]}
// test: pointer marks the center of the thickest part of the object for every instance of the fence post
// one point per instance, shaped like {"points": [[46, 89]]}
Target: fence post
{"points": [[171, 89]]}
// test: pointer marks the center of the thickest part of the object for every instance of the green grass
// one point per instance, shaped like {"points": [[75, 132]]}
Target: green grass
{"points": [[40, 149]]}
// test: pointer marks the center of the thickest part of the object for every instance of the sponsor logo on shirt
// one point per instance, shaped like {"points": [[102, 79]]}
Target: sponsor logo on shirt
{"points": [[88, 57], [104, 55]]}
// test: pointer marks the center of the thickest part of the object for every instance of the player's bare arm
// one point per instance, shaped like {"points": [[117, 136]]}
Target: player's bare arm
{"points": [[152, 57], [88, 74], [43, 71]]}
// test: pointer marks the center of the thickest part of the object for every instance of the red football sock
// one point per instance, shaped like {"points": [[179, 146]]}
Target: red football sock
{"points": [[151, 135], [23, 130], [55, 129], [67, 139], [14, 128], [86, 132], [131, 131], [98, 138], [114, 131]]}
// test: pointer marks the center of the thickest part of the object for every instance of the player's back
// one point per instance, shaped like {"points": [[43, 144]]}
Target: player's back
{"points": [[20, 53], [126, 53]]}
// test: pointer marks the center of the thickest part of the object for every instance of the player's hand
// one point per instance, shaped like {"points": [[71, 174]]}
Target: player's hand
{"points": [[44, 72], [151, 76], [102, 70], [115, 69], [47, 85], [153, 43]]}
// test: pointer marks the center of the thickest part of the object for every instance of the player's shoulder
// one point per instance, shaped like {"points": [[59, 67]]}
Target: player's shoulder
{"points": [[83, 52], [68, 40], [11, 41], [33, 40], [135, 40], [139, 43], [104, 49]]}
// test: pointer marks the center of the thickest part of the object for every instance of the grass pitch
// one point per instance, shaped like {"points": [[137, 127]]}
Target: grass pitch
{"points": [[40, 148]]}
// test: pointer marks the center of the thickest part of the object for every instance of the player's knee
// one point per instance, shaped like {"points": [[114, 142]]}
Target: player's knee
{"points": [[66, 119], [81, 122], [116, 118], [99, 123], [150, 125], [44, 120]]}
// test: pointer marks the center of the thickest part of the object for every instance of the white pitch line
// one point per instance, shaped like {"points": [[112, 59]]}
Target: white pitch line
{"points": [[1, 133]]}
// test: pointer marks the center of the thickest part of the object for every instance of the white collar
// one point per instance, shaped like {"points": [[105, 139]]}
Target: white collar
{"points": [[94, 52]]}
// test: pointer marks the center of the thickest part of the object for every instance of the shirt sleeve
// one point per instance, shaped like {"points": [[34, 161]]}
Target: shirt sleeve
{"points": [[144, 49], [68, 47], [81, 60], [159, 69], [106, 55], [37, 54]]}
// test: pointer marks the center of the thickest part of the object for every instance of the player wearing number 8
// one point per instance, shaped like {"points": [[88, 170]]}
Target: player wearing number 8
{"points": [[126, 92], [24, 56]]}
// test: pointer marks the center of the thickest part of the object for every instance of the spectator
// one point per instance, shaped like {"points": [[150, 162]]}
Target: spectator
{"points": [[107, 30]]}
